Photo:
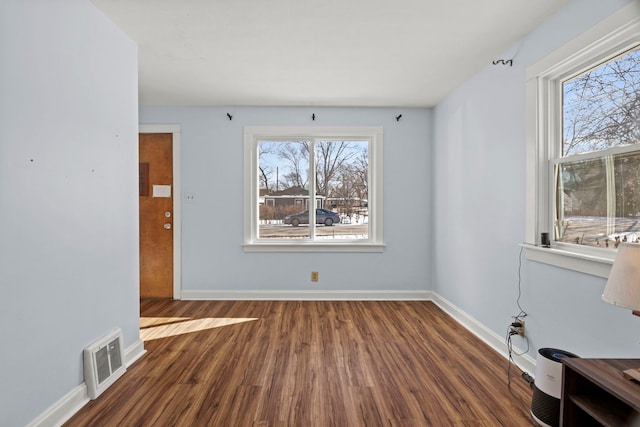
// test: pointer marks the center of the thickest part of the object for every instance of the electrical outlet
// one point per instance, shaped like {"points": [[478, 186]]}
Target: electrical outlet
{"points": [[518, 329], [314, 276]]}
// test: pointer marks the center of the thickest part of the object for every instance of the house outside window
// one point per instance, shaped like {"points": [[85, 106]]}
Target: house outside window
{"points": [[583, 126], [289, 169], [291, 196], [597, 172]]}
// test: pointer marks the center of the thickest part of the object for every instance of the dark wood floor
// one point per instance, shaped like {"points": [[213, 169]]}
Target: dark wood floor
{"points": [[288, 363]]}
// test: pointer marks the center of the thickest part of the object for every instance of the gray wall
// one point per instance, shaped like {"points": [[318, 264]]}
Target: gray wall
{"points": [[68, 202], [212, 230], [479, 218]]}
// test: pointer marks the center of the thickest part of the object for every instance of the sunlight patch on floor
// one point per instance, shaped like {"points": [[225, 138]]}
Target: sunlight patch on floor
{"points": [[152, 328]]}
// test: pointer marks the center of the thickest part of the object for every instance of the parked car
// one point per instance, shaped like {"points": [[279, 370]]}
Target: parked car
{"points": [[323, 216]]}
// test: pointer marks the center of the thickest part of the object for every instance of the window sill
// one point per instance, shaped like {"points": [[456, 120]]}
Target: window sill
{"points": [[313, 247], [595, 265]]}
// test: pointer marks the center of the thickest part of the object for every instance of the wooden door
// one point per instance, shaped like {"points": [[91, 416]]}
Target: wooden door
{"points": [[156, 215]]}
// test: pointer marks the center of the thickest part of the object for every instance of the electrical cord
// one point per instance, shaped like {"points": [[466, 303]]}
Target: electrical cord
{"points": [[522, 313], [510, 332], [511, 360]]}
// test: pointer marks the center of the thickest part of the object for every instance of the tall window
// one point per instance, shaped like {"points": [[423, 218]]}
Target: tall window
{"points": [[583, 146], [313, 188], [597, 183]]}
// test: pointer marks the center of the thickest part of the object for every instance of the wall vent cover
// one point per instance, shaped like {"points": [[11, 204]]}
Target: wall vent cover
{"points": [[103, 363]]}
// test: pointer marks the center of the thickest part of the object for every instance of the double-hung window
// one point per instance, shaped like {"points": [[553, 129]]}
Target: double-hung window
{"points": [[597, 172], [313, 189], [584, 147]]}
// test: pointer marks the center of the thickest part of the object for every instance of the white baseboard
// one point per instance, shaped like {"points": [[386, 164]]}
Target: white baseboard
{"points": [[494, 340], [308, 295], [134, 352], [61, 411], [58, 413]]}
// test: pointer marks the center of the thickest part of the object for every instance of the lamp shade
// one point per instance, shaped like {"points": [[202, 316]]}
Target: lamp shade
{"points": [[623, 286]]}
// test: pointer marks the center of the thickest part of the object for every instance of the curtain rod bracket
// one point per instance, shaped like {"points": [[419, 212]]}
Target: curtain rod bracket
{"points": [[508, 62]]}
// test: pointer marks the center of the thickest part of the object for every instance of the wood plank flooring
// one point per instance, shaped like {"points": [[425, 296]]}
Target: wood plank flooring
{"points": [[311, 363]]}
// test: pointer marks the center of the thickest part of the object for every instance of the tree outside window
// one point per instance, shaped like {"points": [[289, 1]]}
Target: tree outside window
{"points": [[313, 188], [341, 185], [597, 175]]}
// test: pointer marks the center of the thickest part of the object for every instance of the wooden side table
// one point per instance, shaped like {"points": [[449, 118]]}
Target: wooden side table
{"points": [[595, 393]]}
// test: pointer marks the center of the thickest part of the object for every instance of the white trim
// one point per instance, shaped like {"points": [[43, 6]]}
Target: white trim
{"points": [[177, 202], [251, 136], [284, 295], [313, 247], [606, 35], [61, 411], [612, 36], [58, 413], [584, 263], [492, 339], [134, 352]]}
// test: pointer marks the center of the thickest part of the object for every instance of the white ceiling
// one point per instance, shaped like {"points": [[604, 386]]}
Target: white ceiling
{"points": [[376, 53]]}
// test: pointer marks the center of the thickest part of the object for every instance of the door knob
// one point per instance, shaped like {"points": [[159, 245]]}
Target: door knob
{"points": [[167, 214], [167, 225]]}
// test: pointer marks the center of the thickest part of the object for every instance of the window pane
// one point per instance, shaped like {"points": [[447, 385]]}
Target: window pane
{"points": [[601, 108], [342, 177], [598, 201], [283, 202]]}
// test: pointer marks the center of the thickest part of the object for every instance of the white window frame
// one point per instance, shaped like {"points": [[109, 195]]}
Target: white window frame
{"points": [[611, 37], [253, 134]]}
